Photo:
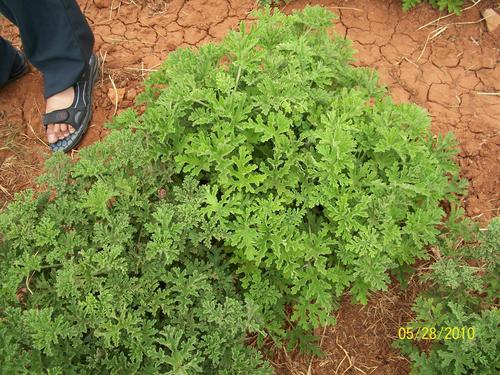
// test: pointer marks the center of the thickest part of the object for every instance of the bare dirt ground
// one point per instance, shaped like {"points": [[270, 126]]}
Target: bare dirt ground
{"points": [[453, 72]]}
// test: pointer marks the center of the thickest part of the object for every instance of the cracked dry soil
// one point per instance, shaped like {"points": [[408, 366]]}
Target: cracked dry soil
{"points": [[452, 76]]}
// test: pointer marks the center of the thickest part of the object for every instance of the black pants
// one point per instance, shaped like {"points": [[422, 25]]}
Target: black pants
{"points": [[56, 38]]}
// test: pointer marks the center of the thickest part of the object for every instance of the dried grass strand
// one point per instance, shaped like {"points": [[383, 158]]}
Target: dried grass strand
{"points": [[116, 94], [309, 368], [448, 15]]}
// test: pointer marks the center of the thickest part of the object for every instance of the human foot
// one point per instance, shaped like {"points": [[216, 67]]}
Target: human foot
{"points": [[60, 100], [68, 112]]}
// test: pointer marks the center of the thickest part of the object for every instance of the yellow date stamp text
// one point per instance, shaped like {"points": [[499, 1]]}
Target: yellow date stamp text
{"points": [[436, 333]]}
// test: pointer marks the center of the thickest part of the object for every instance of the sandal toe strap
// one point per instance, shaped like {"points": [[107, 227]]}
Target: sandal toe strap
{"points": [[70, 116]]}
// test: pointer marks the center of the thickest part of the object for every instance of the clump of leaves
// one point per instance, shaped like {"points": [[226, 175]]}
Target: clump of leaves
{"points": [[454, 6], [463, 293], [266, 175], [313, 179], [273, 2], [118, 274]]}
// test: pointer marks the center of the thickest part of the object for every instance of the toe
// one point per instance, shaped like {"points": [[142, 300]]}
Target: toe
{"points": [[51, 135], [58, 131], [64, 130]]}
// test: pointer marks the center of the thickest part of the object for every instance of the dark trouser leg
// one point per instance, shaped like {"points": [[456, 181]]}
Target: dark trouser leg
{"points": [[7, 56], [7, 52], [56, 38]]}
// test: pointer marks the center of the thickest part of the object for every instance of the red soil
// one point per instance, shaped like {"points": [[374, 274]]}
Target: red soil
{"points": [[450, 75]]}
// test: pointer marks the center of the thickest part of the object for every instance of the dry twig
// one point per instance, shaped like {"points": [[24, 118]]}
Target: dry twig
{"points": [[448, 15], [309, 369], [116, 94]]}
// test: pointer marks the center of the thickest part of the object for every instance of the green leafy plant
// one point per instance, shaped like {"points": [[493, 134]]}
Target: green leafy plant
{"points": [[454, 6], [462, 294], [314, 180], [118, 274], [266, 177], [273, 2]]}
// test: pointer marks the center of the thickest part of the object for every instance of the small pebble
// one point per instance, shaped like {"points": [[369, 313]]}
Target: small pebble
{"points": [[492, 19], [102, 3]]}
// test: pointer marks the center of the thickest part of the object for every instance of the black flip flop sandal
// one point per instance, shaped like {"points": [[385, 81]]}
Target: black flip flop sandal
{"points": [[79, 113]]}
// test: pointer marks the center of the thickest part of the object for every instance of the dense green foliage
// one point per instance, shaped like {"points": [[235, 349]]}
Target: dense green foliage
{"points": [[266, 176], [314, 180], [463, 293], [121, 277]]}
